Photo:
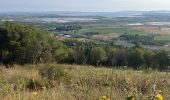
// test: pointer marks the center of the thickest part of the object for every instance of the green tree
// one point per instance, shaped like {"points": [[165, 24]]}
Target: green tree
{"points": [[97, 55], [148, 58], [71, 53], [135, 57], [110, 52], [21, 44], [121, 57], [162, 59], [61, 55], [56, 49]]}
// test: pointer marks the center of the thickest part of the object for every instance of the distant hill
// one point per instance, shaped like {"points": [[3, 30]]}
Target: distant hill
{"points": [[157, 13], [111, 14], [104, 14]]}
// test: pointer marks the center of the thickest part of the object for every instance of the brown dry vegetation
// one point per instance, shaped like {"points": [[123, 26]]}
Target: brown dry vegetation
{"points": [[154, 29], [84, 83]]}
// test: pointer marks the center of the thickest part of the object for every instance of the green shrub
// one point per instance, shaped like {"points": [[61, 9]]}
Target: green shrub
{"points": [[53, 73]]}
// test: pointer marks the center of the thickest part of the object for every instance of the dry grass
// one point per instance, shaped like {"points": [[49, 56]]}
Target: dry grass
{"points": [[86, 83]]}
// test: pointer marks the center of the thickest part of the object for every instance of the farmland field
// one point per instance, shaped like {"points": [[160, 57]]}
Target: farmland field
{"points": [[119, 30], [163, 37]]}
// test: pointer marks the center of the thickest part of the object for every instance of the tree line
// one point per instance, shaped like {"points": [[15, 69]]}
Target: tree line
{"points": [[146, 40], [21, 44]]}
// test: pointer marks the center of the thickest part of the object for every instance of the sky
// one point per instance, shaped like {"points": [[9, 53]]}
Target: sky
{"points": [[83, 5]]}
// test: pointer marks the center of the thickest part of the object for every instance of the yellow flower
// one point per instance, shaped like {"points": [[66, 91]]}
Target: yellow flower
{"points": [[103, 97], [159, 96], [34, 93]]}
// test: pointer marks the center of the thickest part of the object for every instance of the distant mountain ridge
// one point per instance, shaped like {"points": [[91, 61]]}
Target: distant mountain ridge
{"points": [[104, 14]]}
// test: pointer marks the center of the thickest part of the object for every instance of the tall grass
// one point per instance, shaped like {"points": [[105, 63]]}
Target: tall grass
{"points": [[84, 83]]}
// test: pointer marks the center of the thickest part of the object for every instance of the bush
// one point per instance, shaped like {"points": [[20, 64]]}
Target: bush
{"points": [[34, 84], [53, 73]]}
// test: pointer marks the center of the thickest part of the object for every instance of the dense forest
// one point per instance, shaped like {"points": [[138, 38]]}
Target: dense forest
{"points": [[22, 44]]}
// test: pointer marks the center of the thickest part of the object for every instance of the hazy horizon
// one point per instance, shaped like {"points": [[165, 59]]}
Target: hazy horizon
{"points": [[83, 5]]}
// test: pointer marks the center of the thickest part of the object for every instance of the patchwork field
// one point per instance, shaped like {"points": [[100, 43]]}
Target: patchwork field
{"points": [[162, 33]]}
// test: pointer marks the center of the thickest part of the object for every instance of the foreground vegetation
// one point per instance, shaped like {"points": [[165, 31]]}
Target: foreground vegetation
{"points": [[73, 82]]}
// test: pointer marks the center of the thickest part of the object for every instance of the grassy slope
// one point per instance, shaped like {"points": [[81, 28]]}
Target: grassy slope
{"points": [[86, 83]]}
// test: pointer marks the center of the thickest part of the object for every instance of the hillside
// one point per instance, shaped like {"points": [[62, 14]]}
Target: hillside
{"points": [[74, 82], [23, 44], [37, 65]]}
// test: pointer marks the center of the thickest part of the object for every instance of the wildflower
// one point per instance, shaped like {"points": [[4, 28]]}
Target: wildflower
{"points": [[105, 98], [159, 96], [34, 93]]}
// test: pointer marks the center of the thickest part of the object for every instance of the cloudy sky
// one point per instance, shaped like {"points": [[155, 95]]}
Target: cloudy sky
{"points": [[83, 5]]}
